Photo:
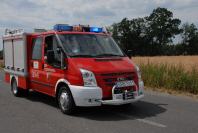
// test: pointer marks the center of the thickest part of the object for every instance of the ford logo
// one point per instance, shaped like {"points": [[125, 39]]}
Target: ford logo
{"points": [[121, 79]]}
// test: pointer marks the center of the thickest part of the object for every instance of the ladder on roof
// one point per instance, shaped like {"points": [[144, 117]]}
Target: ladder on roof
{"points": [[13, 31]]}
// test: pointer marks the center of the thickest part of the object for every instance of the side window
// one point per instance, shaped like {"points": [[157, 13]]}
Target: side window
{"points": [[51, 44], [57, 55], [48, 44], [37, 48]]}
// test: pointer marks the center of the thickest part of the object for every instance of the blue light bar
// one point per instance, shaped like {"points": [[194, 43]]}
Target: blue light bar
{"points": [[63, 27], [95, 29]]}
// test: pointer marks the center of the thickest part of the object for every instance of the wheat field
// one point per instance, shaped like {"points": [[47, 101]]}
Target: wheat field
{"points": [[1, 63], [178, 73], [187, 62]]}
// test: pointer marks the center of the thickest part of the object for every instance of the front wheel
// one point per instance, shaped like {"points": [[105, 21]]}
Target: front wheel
{"points": [[65, 101]]}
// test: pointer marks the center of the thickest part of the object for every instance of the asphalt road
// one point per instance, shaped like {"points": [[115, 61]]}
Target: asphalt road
{"points": [[156, 113]]}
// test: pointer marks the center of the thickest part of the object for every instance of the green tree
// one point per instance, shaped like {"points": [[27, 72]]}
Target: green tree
{"points": [[162, 28], [130, 34], [190, 39], [1, 54], [138, 37], [150, 35]]}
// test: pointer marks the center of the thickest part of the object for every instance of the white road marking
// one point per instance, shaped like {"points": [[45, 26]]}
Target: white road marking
{"points": [[144, 121], [152, 123]]}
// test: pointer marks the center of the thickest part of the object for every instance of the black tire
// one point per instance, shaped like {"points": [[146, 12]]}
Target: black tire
{"points": [[24, 92], [16, 91], [66, 101]]}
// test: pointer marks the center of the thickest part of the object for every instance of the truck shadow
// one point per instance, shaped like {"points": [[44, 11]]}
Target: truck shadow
{"points": [[42, 98], [139, 110]]}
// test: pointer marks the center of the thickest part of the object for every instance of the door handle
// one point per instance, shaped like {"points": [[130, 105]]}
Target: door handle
{"points": [[42, 66]]}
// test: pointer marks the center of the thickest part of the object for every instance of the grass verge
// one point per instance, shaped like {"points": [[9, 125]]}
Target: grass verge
{"points": [[1, 65], [170, 77]]}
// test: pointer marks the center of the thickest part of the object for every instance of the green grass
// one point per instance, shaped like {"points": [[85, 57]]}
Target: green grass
{"points": [[170, 77], [1, 65]]}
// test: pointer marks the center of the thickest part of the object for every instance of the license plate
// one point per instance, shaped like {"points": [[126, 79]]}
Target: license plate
{"points": [[117, 96], [129, 95], [125, 83]]}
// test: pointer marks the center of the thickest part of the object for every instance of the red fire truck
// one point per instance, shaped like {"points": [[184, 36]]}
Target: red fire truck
{"points": [[77, 65]]}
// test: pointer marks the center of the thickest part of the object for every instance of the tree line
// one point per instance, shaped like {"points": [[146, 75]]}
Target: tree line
{"points": [[1, 54], [155, 34]]}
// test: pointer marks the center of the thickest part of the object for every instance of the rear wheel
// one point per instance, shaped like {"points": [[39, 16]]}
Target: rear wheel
{"points": [[16, 91], [65, 101]]}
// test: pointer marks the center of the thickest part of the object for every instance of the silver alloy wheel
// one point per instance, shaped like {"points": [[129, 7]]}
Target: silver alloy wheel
{"points": [[64, 100], [14, 88]]}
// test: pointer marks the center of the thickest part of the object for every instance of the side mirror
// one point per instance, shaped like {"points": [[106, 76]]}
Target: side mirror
{"points": [[129, 53], [50, 56]]}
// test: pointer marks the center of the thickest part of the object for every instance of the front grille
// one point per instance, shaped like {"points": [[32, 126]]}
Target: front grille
{"points": [[110, 79], [107, 80]]}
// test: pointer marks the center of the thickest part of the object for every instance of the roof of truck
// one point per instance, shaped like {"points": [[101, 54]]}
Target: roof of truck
{"points": [[67, 32], [58, 29]]}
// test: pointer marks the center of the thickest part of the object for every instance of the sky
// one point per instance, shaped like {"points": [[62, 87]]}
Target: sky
{"points": [[30, 14]]}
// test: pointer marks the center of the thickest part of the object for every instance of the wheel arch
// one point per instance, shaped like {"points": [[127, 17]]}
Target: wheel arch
{"points": [[61, 82], [12, 78]]}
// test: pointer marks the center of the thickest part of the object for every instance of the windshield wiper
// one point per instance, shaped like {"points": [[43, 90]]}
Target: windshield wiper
{"points": [[107, 55], [81, 55]]}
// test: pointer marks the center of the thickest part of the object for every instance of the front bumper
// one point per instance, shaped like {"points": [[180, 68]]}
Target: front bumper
{"points": [[86, 96], [121, 101], [92, 96]]}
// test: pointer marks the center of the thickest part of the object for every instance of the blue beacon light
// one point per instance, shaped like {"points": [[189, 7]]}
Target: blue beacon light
{"points": [[95, 29], [63, 27]]}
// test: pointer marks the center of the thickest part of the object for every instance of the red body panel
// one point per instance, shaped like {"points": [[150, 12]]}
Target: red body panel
{"points": [[22, 82], [7, 77], [104, 65], [112, 68]]}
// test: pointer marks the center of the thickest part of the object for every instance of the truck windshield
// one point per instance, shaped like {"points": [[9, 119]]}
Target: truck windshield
{"points": [[86, 45]]}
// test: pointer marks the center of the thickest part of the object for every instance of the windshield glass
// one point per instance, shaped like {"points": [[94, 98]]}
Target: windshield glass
{"points": [[89, 45]]}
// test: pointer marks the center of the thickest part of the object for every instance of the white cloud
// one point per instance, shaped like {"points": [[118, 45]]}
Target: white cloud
{"points": [[31, 14], [47, 12]]}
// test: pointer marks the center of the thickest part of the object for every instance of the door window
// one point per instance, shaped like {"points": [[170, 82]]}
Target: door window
{"points": [[37, 48], [51, 44]]}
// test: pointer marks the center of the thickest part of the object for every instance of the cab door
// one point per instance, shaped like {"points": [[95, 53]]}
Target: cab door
{"points": [[52, 69], [37, 73]]}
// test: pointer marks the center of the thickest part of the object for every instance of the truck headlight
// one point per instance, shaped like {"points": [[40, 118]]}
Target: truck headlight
{"points": [[88, 78], [138, 73]]}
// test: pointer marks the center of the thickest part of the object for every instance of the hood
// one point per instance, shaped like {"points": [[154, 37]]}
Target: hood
{"points": [[104, 65]]}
